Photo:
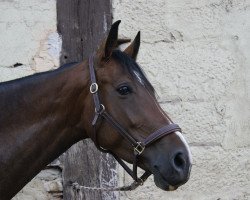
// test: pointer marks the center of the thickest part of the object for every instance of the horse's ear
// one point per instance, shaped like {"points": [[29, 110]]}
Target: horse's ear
{"points": [[133, 48], [112, 39]]}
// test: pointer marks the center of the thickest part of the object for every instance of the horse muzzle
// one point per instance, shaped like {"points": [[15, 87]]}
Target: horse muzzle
{"points": [[171, 174]]}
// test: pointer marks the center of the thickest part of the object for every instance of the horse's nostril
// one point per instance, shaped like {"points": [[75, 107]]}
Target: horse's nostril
{"points": [[156, 167], [179, 161]]}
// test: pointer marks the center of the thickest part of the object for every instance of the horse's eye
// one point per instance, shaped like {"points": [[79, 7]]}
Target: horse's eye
{"points": [[124, 90]]}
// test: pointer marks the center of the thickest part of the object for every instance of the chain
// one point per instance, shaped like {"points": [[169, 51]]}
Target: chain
{"points": [[76, 186]]}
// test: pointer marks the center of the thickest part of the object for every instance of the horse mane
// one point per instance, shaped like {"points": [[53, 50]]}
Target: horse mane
{"points": [[125, 60], [32, 77], [133, 68]]}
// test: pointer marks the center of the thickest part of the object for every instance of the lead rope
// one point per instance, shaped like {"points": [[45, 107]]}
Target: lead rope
{"points": [[76, 186]]}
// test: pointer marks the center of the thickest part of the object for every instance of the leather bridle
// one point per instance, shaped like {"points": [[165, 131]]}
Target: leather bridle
{"points": [[138, 146]]}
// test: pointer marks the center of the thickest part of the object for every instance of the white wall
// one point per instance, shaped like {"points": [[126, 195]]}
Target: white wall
{"points": [[28, 36], [196, 54]]}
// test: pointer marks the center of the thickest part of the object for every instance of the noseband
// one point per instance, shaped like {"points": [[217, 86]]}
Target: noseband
{"points": [[138, 146]]}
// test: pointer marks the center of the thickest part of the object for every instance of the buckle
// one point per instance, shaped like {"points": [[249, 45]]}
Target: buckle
{"points": [[101, 110], [140, 181], [93, 88], [139, 148]]}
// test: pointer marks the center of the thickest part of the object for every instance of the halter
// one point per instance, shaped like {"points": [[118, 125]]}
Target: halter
{"points": [[138, 146]]}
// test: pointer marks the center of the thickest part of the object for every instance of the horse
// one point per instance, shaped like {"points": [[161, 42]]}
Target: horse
{"points": [[106, 98]]}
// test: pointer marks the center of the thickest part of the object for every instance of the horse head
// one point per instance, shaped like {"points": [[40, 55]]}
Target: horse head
{"points": [[127, 96]]}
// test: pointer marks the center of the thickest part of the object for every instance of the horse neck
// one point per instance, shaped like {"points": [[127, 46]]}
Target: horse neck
{"points": [[41, 117]]}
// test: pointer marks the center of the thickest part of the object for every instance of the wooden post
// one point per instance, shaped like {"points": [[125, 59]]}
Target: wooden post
{"points": [[82, 25]]}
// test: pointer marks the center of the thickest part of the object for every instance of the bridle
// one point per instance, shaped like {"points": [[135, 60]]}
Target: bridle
{"points": [[138, 146]]}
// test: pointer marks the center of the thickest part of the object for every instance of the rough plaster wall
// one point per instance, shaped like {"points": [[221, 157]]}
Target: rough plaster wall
{"points": [[196, 54], [28, 36], [29, 43]]}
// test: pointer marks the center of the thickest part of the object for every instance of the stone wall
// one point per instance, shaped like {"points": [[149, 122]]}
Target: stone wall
{"points": [[196, 54]]}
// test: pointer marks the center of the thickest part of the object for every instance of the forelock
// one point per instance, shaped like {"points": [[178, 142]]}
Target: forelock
{"points": [[133, 68]]}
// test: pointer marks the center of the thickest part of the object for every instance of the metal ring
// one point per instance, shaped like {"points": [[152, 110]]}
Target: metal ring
{"points": [[141, 181], [93, 88], [102, 109]]}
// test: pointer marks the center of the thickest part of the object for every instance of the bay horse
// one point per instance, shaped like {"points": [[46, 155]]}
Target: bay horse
{"points": [[107, 98]]}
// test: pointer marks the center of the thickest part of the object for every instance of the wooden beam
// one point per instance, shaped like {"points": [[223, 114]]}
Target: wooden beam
{"points": [[82, 25]]}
